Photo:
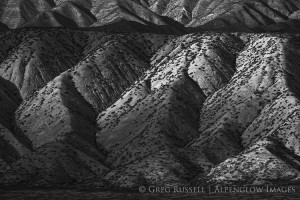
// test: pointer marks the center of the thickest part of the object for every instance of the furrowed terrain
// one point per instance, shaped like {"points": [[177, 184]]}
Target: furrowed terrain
{"points": [[55, 94], [104, 109], [123, 93]]}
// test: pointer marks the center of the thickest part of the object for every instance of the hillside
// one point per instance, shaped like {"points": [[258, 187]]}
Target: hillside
{"points": [[123, 109], [115, 94], [56, 93]]}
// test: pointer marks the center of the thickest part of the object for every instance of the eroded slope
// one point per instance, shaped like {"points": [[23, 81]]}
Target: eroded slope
{"points": [[146, 130], [58, 117], [132, 109]]}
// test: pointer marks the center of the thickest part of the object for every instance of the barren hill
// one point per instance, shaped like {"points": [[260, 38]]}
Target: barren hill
{"points": [[121, 109], [119, 93]]}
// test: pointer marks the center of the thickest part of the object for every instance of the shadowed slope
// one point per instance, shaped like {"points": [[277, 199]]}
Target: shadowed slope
{"points": [[132, 109], [50, 19], [145, 131], [17, 12], [256, 116], [64, 15], [59, 116], [80, 15], [32, 58]]}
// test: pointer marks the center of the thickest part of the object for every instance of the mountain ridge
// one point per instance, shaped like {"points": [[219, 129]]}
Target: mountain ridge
{"points": [[145, 98], [245, 16]]}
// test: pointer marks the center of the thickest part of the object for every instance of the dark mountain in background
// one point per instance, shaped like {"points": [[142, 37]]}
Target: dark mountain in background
{"points": [[118, 94], [235, 15]]}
